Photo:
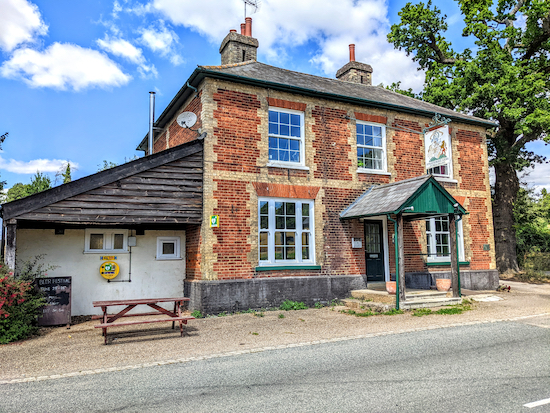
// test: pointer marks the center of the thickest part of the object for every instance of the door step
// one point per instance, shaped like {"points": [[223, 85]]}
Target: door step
{"points": [[411, 303], [413, 299]]}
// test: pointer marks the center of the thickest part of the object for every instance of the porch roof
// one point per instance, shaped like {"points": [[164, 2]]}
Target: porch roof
{"points": [[417, 198]]}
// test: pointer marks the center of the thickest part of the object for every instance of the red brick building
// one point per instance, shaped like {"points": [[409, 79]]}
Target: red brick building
{"points": [[286, 154]]}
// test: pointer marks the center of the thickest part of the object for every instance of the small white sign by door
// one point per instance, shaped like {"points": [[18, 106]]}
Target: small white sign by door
{"points": [[356, 243]]}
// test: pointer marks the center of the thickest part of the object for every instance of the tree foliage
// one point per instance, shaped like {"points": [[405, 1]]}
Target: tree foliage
{"points": [[39, 182], [504, 77]]}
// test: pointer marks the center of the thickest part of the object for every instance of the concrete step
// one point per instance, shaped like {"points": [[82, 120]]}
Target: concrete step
{"points": [[373, 295], [361, 305], [427, 294], [410, 304]]}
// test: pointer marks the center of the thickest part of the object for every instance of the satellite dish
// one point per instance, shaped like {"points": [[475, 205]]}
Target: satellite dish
{"points": [[186, 119]]}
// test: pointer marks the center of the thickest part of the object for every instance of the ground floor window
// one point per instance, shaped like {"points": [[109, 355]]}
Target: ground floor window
{"points": [[438, 239], [106, 240], [168, 248], [285, 231]]}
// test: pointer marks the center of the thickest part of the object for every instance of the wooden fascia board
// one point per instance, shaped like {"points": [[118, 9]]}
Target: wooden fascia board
{"points": [[31, 203]]}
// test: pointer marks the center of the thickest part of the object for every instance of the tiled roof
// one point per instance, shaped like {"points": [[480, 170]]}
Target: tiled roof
{"points": [[370, 94]]}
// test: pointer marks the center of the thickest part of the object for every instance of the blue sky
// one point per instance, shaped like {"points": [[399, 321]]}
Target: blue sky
{"points": [[75, 75]]}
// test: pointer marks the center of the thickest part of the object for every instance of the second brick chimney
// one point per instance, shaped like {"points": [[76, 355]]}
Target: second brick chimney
{"points": [[239, 47], [354, 71]]}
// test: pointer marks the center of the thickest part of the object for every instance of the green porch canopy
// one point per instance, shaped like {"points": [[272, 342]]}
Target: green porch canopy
{"points": [[416, 198]]}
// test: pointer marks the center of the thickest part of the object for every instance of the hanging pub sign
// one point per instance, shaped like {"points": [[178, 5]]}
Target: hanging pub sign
{"points": [[437, 143]]}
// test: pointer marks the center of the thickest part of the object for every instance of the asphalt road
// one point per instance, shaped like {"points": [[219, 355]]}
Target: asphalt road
{"points": [[490, 367]]}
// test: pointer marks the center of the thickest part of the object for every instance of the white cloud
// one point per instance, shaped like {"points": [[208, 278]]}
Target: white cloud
{"points": [[159, 40], [20, 22], [280, 24], [147, 71], [64, 66], [31, 167], [537, 177], [176, 60], [122, 48]]}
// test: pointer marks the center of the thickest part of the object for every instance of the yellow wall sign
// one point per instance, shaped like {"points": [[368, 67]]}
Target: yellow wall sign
{"points": [[109, 270], [214, 221]]}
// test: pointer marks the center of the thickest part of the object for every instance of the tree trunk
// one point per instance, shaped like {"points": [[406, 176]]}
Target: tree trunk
{"points": [[506, 189]]}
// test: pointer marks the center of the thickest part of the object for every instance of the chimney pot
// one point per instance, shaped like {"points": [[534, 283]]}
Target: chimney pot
{"points": [[243, 28], [352, 53], [232, 31], [248, 27]]}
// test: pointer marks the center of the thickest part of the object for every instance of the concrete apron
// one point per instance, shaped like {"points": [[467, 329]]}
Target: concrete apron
{"points": [[376, 296]]}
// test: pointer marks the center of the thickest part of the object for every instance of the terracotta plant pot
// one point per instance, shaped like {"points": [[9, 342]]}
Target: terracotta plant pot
{"points": [[391, 287], [443, 284]]}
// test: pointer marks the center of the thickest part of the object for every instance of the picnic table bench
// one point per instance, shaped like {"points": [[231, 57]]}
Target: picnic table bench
{"points": [[108, 320]]}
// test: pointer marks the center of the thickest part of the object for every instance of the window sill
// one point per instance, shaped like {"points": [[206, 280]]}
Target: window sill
{"points": [[445, 263], [372, 172], [168, 259], [443, 179], [287, 166], [288, 267], [106, 252]]}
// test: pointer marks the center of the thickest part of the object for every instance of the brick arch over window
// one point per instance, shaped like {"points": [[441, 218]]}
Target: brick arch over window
{"points": [[285, 191]]}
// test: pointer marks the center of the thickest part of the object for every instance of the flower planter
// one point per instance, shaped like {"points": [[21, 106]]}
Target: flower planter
{"points": [[443, 284], [391, 287]]}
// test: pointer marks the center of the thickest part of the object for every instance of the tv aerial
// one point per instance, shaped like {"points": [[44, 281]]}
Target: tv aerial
{"points": [[255, 4], [187, 120]]}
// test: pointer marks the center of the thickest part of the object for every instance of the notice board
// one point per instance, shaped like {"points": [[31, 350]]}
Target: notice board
{"points": [[57, 291]]}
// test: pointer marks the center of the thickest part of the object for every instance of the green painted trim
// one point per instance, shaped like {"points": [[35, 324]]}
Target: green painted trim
{"points": [[288, 267], [445, 263]]}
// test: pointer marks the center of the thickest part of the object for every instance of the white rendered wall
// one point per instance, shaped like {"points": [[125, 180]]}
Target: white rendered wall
{"points": [[150, 278]]}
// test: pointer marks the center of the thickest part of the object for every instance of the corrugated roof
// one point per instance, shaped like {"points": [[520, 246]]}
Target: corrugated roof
{"points": [[379, 200]]}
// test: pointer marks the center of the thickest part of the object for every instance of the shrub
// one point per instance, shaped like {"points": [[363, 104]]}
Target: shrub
{"points": [[196, 314], [288, 305]]}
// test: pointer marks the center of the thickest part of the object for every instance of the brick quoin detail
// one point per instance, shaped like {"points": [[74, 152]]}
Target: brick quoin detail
{"points": [[286, 104], [479, 233], [340, 257], [179, 135], [371, 118], [331, 144], [471, 161], [237, 134], [192, 252], [409, 151], [231, 243], [286, 191]]}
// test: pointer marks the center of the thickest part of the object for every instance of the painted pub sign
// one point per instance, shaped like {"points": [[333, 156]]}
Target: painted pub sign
{"points": [[438, 143]]}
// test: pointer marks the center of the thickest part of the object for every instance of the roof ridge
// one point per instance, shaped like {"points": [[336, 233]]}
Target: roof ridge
{"points": [[229, 65]]}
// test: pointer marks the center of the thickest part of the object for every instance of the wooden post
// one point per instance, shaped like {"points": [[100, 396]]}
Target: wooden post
{"points": [[11, 244], [401, 259], [454, 258]]}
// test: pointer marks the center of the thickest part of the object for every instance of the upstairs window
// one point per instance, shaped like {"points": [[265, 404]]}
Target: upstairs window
{"points": [[286, 137], [371, 147]]}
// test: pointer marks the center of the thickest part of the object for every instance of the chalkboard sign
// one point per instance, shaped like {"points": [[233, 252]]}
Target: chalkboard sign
{"points": [[57, 291]]}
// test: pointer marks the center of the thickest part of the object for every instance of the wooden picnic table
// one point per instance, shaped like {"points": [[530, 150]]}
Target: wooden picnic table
{"points": [[108, 320]]}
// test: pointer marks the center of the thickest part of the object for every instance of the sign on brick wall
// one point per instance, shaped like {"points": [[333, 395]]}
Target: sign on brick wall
{"points": [[437, 143]]}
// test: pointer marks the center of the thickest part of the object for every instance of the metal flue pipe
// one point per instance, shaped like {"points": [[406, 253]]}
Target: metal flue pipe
{"points": [[151, 120]]}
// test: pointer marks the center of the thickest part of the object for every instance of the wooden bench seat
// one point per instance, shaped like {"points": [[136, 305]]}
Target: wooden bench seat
{"points": [[157, 320]]}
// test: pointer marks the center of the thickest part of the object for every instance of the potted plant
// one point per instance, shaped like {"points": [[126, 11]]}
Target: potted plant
{"points": [[443, 284]]}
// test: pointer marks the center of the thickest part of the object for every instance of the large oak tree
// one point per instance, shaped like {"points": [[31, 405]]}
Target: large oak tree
{"points": [[504, 78]]}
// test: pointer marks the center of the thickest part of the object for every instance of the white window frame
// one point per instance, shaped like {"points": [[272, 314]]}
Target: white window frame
{"points": [[177, 248], [384, 169], [108, 240], [288, 164], [431, 245], [271, 261]]}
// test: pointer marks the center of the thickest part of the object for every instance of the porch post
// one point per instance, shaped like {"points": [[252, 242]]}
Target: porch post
{"points": [[454, 257], [11, 244], [401, 259]]}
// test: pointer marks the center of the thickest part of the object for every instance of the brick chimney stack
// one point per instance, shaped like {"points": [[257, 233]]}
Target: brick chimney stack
{"points": [[238, 48], [355, 72]]}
